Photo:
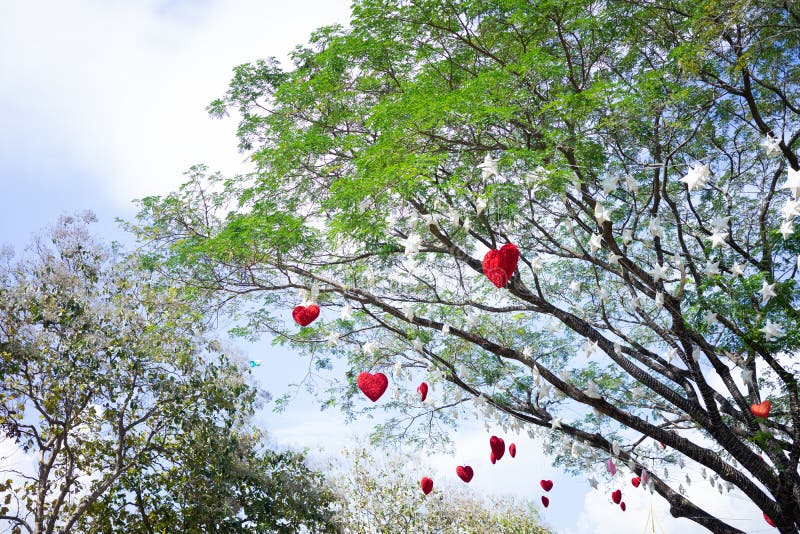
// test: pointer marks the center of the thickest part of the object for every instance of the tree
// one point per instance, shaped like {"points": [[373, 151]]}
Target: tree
{"points": [[129, 416], [382, 496], [642, 156]]}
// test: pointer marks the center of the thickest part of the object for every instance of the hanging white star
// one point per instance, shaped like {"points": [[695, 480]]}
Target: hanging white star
{"points": [[445, 329], [528, 352], [767, 291], [659, 300], [655, 228], [671, 354], [659, 272], [544, 391], [418, 346], [554, 325], [771, 145], [591, 390], [467, 225], [411, 244], [369, 348], [787, 229], [771, 330], [627, 236], [792, 182], [747, 377], [347, 312], [575, 286], [595, 242], [615, 448], [737, 269], [719, 223], [711, 268], [613, 259], [633, 186], [717, 239], [455, 218], [592, 482], [555, 423], [537, 263], [697, 177], [408, 312], [480, 205], [790, 209], [609, 183], [333, 339], [488, 167], [590, 347], [398, 370], [711, 318], [696, 353], [601, 214]]}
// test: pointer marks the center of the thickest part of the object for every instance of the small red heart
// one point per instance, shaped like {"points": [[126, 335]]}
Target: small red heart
{"points": [[464, 473], [373, 386], [498, 447], [492, 458], [512, 450], [616, 496], [545, 501], [636, 481], [423, 391], [499, 265], [761, 410], [305, 315], [768, 520], [546, 485], [622, 505], [426, 484]]}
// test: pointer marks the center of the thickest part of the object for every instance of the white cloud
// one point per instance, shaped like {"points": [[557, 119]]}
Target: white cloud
{"points": [[119, 89]]}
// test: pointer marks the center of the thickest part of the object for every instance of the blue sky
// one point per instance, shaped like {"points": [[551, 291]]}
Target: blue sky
{"points": [[104, 102]]}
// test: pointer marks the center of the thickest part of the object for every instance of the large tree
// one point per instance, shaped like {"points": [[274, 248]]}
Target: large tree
{"points": [[126, 415], [642, 156]]}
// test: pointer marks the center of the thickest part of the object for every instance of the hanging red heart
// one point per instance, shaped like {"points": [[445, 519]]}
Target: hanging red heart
{"points": [[512, 450], [616, 496], [499, 265], [423, 391], [761, 410], [464, 473], [426, 484], [373, 386], [498, 447], [622, 505], [768, 520], [545, 501], [305, 315], [492, 458], [636, 481], [546, 485]]}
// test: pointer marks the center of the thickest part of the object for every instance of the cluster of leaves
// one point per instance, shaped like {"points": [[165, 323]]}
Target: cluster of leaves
{"points": [[630, 173]]}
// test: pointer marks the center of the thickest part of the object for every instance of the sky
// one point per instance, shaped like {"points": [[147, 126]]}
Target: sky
{"points": [[104, 102]]}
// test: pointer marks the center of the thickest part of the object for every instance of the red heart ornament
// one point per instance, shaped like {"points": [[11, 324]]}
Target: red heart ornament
{"points": [[373, 386], [761, 410], [546, 485], [423, 391], [464, 473], [498, 447], [545, 501], [636, 481], [616, 496], [492, 458], [622, 505], [426, 484], [305, 315], [768, 520], [512, 450], [499, 265]]}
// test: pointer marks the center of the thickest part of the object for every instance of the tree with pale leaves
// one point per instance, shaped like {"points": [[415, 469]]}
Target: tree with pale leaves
{"points": [[641, 156]]}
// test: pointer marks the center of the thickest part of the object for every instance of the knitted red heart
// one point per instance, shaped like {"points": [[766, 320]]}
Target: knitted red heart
{"points": [[464, 473], [616, 496], [768, 520], [499, 265], [492, 458], [498, 447], [426, 484], [636, 481], [622, 505], [545, 501], [546, 485], [373, 386], [423, 391], [512, 450], [761, 410], [305, 315]]}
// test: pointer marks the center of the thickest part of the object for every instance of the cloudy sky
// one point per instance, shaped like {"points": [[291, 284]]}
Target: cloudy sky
{"points": [[104, 102]]}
